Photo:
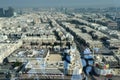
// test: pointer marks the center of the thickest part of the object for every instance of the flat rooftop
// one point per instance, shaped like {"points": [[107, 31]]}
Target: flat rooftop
{"points": [[26, 53], [55, 57]]}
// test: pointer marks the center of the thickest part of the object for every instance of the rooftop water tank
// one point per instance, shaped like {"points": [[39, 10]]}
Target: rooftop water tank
{"points": [[87, 51], [90, 62], [88, 56], [88, 70], [83, 62]]}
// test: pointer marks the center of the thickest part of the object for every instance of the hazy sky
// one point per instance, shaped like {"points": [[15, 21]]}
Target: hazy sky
{"points": [[59, 3]]}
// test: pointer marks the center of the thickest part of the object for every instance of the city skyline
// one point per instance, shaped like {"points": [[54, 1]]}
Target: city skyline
{"points": [[59, 40], [60, 3]]}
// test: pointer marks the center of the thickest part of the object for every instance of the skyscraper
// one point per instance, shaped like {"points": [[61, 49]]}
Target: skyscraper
{"points": [[1, 12], [9, 12]]}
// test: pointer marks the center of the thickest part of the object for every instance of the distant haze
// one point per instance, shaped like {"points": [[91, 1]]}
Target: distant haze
{"points": [[60, 3]]}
